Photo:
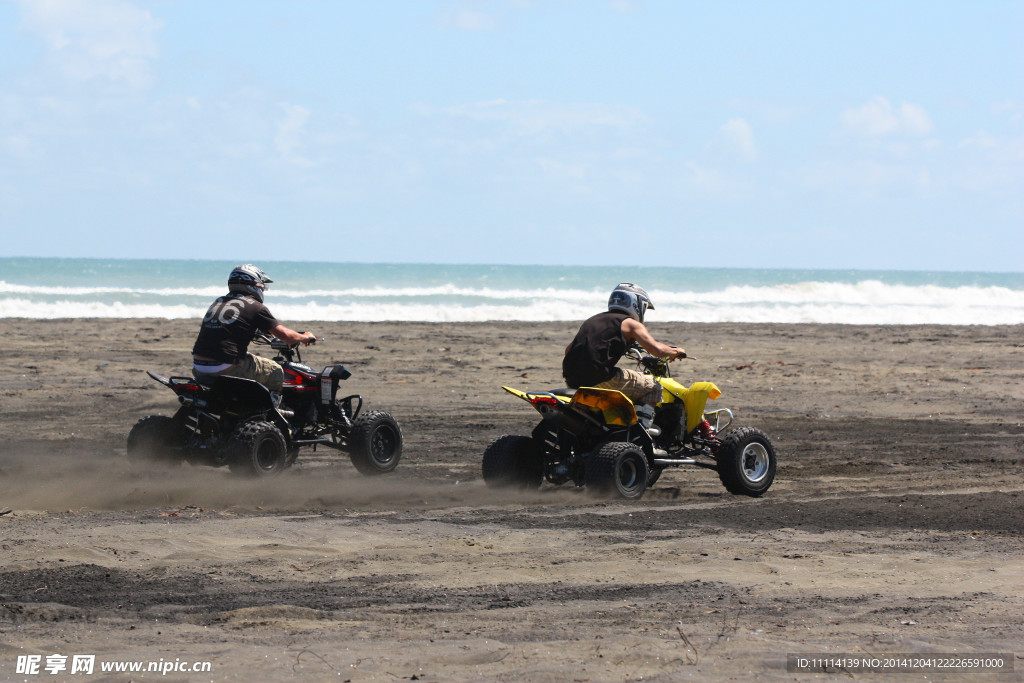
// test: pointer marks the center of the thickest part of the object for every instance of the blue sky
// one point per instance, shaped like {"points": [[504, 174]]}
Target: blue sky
{"points": [[872, 135]]}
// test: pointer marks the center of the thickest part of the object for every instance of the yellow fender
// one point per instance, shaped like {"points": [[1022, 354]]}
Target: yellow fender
{"points": [[515, 392], [529, 396], [694, 399], [615, 407]]}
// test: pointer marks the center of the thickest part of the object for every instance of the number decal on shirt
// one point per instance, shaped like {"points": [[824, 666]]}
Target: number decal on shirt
{"points": [[225, 312]]}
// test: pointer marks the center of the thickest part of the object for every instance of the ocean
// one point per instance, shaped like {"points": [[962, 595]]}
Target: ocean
{"points": [[45, 288]]}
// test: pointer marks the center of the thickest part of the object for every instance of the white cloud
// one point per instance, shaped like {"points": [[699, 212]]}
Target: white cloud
{"points": [[90, 39], [536, 116], [1014, 108], [714, 185], [739, 137], [864, 180], [987, 149], [981, 140], [469, 20], [879, 118]]}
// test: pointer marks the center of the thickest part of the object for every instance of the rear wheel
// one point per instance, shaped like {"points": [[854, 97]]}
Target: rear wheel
{"points": [[257, 449], [376, 443], [156, 440], [513, 462], [617, 468], [746, 462]]}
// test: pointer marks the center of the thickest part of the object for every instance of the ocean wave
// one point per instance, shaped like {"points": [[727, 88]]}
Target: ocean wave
{"points": [[963, 309], [868, 301], [378, 292], [44, 290], [49, 310], [864, 290]]}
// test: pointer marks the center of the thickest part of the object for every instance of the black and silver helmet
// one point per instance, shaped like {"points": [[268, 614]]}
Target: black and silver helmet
{"points": [[248, 279], [631, 300]]}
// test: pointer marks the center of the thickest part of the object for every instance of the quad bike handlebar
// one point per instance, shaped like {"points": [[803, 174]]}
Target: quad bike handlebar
{"points": [[641, 355], [286, 350], [277, 344], [653, 365]]}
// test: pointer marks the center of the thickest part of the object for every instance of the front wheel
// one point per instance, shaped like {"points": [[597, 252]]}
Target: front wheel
{"points": [[156, 440], [617, 467], [654, 476], [376, 443], [746, 462], [257, 449], [513, 462]]}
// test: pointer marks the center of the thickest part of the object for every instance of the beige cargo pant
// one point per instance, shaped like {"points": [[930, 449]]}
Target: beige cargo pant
{"points": [[639, 388], [263, 370]]}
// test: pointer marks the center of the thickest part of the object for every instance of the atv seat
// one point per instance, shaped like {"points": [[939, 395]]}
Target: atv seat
{"points": [[567, 392]]}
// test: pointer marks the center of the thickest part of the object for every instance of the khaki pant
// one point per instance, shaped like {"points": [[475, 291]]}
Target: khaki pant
{"points": [[639, 388], [263, 370]]}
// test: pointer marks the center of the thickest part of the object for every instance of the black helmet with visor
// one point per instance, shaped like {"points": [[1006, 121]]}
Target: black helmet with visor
{"points": [[248, 279], [630, 299]]}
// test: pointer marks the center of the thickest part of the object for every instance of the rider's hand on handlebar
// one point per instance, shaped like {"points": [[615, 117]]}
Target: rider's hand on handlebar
{"points": [[310, 338], [679, 353]]}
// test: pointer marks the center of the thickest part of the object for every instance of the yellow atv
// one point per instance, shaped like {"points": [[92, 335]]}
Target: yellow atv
{"points": [[593, 438]]}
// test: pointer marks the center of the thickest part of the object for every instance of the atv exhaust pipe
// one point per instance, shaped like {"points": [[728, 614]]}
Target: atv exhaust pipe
{"points": [[192, 402], [674, 461]]}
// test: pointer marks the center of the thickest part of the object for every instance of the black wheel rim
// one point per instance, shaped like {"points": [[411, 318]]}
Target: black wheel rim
{"points": [[629, 474], [382, 444], [267, 455]]}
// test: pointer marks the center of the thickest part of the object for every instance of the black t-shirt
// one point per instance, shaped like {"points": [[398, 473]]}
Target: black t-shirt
{"points": [[229, 325], [596, 349]]}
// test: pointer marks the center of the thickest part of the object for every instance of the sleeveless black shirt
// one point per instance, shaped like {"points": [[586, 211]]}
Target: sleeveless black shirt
{"points": [[595, 350]]}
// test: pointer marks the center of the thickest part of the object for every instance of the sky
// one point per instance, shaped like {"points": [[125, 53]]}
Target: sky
{"points": [[786, 134]]}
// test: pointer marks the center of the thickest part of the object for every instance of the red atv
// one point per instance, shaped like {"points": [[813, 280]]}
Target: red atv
{"points": [[239, 423]]}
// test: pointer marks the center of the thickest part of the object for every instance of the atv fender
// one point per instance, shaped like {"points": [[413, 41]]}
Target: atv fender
{"points": [[616, 408], [528, 396], [694, 398]]}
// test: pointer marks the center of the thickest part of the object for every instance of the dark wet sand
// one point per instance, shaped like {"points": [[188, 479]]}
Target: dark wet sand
{"points": [[894, 525]]}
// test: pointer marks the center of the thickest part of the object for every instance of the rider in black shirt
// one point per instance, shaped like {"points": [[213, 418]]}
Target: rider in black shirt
{"points": [[590, 359], [231, 323]]}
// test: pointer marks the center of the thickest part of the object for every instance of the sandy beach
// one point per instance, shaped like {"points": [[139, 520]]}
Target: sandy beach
{"points": [[894, 525]]}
